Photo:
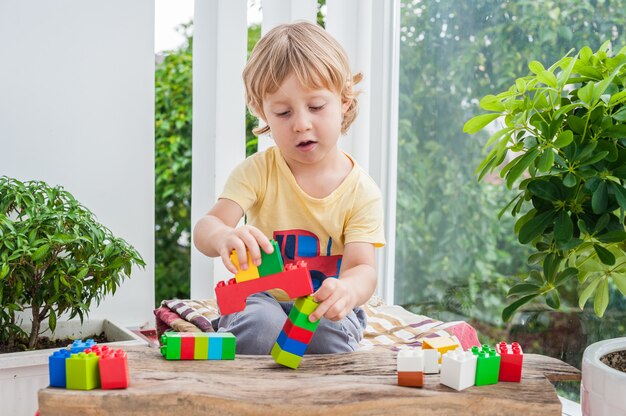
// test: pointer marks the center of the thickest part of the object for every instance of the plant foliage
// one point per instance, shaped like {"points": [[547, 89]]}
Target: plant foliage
{"points": [[55, 258], [566, 127]]}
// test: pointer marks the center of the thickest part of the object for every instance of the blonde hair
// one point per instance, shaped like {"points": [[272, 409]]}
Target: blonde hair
{"points": [[306, 50]]}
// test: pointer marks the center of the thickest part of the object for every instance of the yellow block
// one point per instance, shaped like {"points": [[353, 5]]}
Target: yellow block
{"points": [[201, 347], [244, 275], [441, 344]]}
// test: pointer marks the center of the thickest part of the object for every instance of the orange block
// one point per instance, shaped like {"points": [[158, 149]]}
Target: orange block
{"points": [[411, 378], [244, 275]]}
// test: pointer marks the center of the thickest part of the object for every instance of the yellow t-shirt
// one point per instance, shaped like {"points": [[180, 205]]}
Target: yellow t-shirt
{"points": [[311, 229]]}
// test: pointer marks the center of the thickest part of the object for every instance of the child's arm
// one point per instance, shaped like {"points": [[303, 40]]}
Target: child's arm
{"points": [[215, 235], [354, 287]]}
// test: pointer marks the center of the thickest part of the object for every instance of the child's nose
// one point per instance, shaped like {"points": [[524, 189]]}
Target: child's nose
{"points": [[301, 122]]}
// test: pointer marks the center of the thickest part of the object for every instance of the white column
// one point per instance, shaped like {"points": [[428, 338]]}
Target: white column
{"points": [[276, 12], [219, 55], [371, 39]]}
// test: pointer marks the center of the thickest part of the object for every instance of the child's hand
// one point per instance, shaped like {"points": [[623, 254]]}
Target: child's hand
{"points": [[335, 300], [239, 239]]}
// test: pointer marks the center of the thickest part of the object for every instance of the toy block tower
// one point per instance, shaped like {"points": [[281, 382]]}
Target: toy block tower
{"points": [[296, 334], [487, 365], [441, 344], [511, 359], [82, 371], [113, 366], [458, 369], [410, 365], [56, 367]]}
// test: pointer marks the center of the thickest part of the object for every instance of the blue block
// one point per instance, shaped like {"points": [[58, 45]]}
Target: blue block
{"points": [[291, 345], [56, 368], [215, 348], [80, 346]]}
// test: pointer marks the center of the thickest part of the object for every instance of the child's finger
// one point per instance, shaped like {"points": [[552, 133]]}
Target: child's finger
{"points": [[225, 255]]}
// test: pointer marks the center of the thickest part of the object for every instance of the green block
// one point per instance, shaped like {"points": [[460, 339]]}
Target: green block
{"points": [[82, 371], [201, 346], [229, 344], [170, 345], [487, 365], [306, 304], [271, 263], [301, 320], [285, 358]]}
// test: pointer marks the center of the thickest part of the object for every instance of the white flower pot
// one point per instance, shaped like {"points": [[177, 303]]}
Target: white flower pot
{"points": [[22, 374], [603, 389]]}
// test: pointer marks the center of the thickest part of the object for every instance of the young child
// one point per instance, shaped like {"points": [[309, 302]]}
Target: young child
{"points": [[298, 81]]}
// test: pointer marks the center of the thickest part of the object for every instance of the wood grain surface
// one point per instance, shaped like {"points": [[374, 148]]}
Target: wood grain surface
{"points": [[361, 383]]}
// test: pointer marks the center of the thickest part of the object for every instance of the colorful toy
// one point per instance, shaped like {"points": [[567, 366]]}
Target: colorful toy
{"points": [[511, 359], [296, 334], [441, 344], [252, 272], [80, 346], [271, 263], [56, 366], [82, 371], [295, 281], [487, 365], [458, 369], [198, 346], [113, 366], [410, 366]]}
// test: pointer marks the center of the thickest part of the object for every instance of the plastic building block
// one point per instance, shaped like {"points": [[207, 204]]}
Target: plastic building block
{"points": [[82, 371], [511, 360], [487, 365], [56, 367], [113, 365], [410, 366], [79, 346], [458, 369], [431, 361], [251, 273], [295, 281], [285, 358], [271, 263], [441, 344], [294, 339], [198, 346]]}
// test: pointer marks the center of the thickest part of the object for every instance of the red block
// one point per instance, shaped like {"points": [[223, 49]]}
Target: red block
{"points": [[296, 333], [187, 346], [113, 369], [295, 281], [511, 359]]}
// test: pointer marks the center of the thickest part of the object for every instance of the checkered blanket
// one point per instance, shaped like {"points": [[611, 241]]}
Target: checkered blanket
{"points": [[388, 327]]}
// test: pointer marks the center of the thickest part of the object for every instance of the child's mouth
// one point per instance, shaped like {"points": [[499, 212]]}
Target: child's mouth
{"points": [[306, 145]]}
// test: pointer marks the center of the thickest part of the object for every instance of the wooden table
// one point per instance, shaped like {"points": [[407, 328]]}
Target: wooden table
{"points": [[361, 383]]}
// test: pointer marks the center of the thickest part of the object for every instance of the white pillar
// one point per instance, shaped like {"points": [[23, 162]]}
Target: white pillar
{"points": [[219, 55]]}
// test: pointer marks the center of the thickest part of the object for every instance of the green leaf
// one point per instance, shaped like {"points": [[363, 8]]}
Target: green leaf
{"points": [[604, 255], [564, 275], [523, 289], [588, 291], [620, 115], [547, 78], [41, 252], [491, 103], [552, 299], [551, 265], [564, 138], [535, 226], [475, 124], [617, 132], [600, 198], [620, 194], [620, 282], [545, 160], [563, 227], [536, 67], [52, 320], [544, 189], [509, 310], [585, 94], [601, 300], [614, 236], [569, 180], [520, 166], [4, 271]]}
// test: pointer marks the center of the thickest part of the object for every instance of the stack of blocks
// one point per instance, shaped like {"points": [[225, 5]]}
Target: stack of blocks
{"points": [[270, 264], [461, 369], [296, 334], [198, 346], [88, 368], [410, 365], [441, 344]]}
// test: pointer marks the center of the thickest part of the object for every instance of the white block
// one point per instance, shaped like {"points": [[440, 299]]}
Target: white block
{"points": [[431, 361], [458, 369], [410, 360]]}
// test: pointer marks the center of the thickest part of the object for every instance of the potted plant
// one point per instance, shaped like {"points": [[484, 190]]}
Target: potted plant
{"points": [[55, 259], [565, 127]]}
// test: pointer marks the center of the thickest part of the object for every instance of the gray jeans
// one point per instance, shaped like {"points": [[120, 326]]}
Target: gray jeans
{"points": [[257, 327]]}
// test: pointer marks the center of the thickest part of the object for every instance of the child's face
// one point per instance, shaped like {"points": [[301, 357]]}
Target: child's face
{"points": [[305, 124]]}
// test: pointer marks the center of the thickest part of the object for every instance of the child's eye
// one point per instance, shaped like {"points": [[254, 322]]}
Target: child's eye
{"points": [[282, 114], [316, 108]]}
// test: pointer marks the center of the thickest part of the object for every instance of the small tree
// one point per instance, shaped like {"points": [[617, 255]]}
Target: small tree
{"points": [[54, 258]]}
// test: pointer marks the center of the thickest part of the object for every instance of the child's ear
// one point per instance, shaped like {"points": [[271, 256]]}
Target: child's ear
{"points": [[346, 105]]}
